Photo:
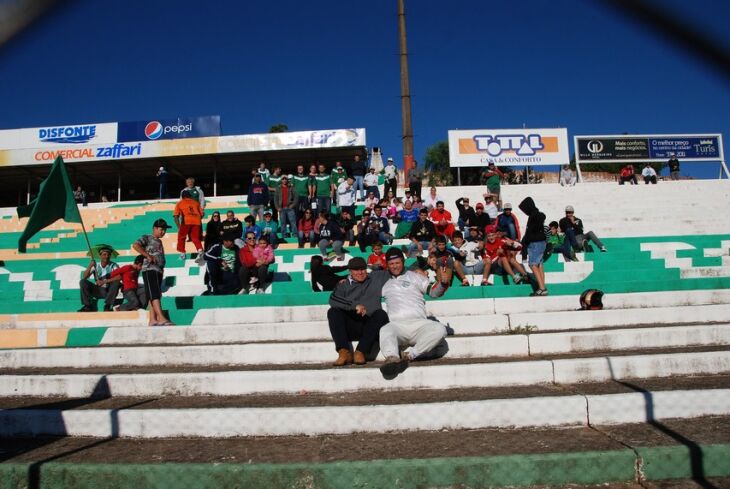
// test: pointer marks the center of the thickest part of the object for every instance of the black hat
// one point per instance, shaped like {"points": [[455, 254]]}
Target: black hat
{"points": [[357, 263], [229, 236], [161, 223], [394, 253]]}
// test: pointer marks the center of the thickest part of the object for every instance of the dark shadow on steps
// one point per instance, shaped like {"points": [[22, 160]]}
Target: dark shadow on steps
{"points": [[695, 450]]}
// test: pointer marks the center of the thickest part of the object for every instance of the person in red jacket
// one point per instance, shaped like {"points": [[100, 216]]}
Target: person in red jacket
{"points": [[376, 260], [441, 219], [250, 271], [131, 290]]}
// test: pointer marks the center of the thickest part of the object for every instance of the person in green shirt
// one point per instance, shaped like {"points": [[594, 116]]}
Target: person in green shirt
{"points": [[556, 242], [300, 182], [492, 177], [339, 175], [323, 190], [273, 183]]}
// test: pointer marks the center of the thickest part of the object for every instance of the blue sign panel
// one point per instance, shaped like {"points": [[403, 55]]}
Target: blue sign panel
{"points": [[705, 147], [182, 127]]}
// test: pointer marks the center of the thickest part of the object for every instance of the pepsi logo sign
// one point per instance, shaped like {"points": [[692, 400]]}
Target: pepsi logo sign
{"points": [[153, 130]]}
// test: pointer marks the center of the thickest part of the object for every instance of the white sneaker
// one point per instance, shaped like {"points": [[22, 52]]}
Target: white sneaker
{"points": [[260, 291], [200, 259], [253, 280]]}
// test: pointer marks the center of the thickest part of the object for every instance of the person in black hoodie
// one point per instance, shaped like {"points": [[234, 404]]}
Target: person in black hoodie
{"points": [[213, 231], [324, 277], [534, 242]]}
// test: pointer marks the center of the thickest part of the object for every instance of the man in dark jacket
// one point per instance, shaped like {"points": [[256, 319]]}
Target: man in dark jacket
{"points": [[258, 197], [286, 202], [222, 264], [466, 213], [422, 234], [356, 314], [481, 218], [330, 234], [534, 242], [508, 224], [573, 228], [233, 227], [358, 169]]}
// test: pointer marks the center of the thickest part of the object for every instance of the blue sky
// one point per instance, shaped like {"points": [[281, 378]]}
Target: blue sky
{"points": [[334, 64]]}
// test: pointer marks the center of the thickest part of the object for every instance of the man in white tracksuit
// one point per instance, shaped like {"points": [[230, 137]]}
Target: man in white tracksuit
{"points": [[409, 324]]}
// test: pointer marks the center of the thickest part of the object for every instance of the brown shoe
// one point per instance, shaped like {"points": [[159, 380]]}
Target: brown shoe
{"points": [[359, 358], [344, 358]]}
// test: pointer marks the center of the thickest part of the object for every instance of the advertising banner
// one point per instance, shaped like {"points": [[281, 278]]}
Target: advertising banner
{"points": [[182, 127], [508, 147], [57, 136], [334, 138], [642, 148]]}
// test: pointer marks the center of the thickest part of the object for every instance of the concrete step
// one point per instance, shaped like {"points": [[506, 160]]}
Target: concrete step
{"points": [[566, 410], [601, 367]]}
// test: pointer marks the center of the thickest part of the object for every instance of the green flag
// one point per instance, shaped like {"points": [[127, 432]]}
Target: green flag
{"points": [[55, 201]]}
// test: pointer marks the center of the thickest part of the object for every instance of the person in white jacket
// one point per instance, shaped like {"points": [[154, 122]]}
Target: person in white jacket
{"points": [[346, 196], [409, 325]]}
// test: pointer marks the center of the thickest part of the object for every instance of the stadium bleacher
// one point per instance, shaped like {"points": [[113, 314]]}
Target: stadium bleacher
{"points": [[255, 366]]}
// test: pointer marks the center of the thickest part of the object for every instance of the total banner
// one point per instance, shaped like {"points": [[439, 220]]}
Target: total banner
{"points": [[56, 136], [508, 147], [642, 148]]}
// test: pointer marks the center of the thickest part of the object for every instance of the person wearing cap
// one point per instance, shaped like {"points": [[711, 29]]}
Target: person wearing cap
{"points": [[162, 176], [409, 325], [188, 216], [150, 246], [508, 224], [391, 177], [101, 287], [372, 183], [269, 228], [466, 213], [573, 228], [194, 191], [649, 174], [673, 165], [132, 292], [338, 175], [481, 218], [356, 314], [258, 197]]}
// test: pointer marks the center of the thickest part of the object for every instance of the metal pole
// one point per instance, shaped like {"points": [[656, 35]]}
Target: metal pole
{"points": [[405, 92], [458, 176], [27, 195], [215, 179], [119, 184]]}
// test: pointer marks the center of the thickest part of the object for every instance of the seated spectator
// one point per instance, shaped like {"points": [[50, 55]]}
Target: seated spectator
{"points": [[330, 235], [481, 218], [376, 260], [324, 277], [405, 218], [269, 229], [467, 216], [347, 225], [422, 234], [306, 229], [233, 227], [468, 258], [508, 224], [556, 243], [371, 200], [490, 207], [132, 291], [649, 174], [383, 225], [253, 272], [574, 233], [213, 231], [445, 259], [372, 183], [441, 219], [499, 258], [356, 314], [101, 287], [431, 199], [264, 254], [417, 202], [252, 227], [475, 235], [390, 209], [626, 174], [567, 177], [223, 266]]}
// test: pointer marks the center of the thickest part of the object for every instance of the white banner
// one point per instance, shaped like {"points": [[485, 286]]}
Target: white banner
{"points": [[334, 138], [508, 147], [58, 136]]}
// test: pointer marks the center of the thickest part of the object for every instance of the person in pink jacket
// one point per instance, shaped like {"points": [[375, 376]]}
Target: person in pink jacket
{"points": [[264, 255]]}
